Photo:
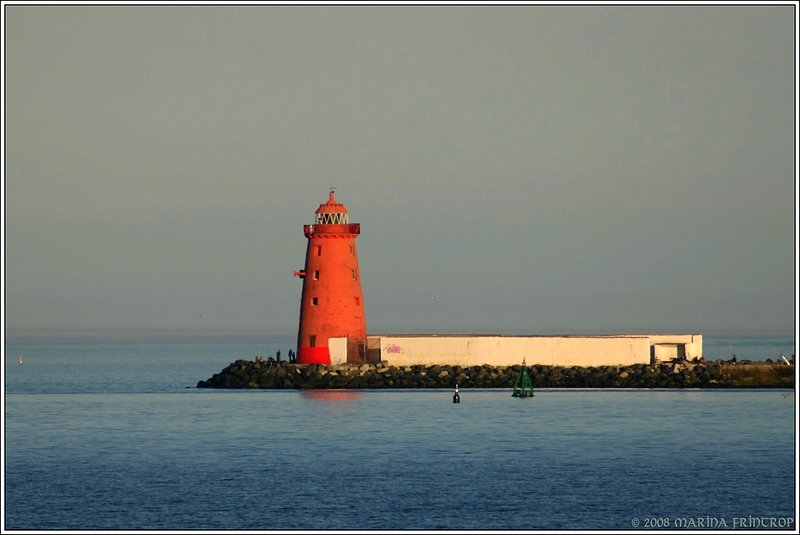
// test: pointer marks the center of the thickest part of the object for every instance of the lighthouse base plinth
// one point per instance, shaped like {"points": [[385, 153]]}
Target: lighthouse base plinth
{"points": [[314, 355]]}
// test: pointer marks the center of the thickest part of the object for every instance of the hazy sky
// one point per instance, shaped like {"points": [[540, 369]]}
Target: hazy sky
{"points": [[528, 169]]}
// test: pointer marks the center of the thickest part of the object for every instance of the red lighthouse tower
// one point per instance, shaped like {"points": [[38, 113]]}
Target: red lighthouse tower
{"points": [[332, 305]]}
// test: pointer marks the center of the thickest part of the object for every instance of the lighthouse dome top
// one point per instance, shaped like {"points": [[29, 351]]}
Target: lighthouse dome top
{"points": [[331, 212]]}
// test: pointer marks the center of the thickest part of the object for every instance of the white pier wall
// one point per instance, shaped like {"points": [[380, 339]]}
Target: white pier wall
{"points": [[600, 350]]}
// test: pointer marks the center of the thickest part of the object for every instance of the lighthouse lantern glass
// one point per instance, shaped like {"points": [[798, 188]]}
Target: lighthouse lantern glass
{"points": [[331, 218]]}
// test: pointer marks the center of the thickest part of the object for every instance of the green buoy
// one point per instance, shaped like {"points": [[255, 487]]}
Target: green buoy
{"points": [[523, 386]]}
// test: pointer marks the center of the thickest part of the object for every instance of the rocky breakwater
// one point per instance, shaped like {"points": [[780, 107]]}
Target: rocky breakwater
{"points": [[250, 374]]}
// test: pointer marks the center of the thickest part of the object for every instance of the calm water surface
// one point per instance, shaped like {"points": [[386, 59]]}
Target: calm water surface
{"points": [[106, 435]]}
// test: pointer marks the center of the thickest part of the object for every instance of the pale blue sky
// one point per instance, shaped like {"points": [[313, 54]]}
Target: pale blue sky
{"points": [[538, 169]]}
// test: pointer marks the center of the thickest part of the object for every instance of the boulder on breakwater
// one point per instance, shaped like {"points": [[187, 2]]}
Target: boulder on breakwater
{"points": [[267, 374]]}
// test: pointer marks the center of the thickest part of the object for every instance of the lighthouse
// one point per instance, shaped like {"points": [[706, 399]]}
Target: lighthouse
{"points": [[332, 305]]}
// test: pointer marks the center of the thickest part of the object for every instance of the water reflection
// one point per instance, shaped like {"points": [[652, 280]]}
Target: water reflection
{"points": [[330, 394]]}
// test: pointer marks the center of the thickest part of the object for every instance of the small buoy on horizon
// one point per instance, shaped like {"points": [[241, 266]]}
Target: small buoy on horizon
{"points": [[456, 397]]}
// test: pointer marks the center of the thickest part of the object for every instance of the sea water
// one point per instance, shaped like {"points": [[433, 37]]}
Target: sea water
{"points": [[112, 435]]}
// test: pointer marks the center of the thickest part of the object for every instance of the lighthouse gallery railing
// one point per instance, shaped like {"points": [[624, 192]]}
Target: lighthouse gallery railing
{"points": [[349, 228]]}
